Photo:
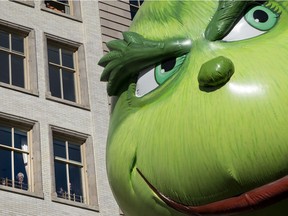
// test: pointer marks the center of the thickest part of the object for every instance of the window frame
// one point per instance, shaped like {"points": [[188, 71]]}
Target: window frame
{"points": [[30, 66], [74, 6], [61, 68], [89, 172], [69, 162], [13, 53], [34, 148], [13, 151], [81, 82]]}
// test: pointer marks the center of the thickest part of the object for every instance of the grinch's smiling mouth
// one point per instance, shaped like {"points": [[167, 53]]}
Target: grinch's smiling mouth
{"points": [[254, 199]]}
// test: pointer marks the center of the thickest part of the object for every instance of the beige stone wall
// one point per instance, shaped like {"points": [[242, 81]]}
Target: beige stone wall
{"points": [[83, 28]]}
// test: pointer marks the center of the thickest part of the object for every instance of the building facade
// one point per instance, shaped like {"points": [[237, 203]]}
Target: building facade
{"points": [[54, 113]]}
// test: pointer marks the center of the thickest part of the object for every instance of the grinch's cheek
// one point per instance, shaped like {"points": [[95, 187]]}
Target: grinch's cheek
{"points": [[215, 73]]}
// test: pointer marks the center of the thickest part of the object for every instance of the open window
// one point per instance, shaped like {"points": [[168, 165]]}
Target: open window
{"points": [[67, 8], [61, 6]]}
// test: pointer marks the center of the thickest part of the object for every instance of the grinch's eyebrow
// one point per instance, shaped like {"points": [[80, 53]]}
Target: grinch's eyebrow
{"points": [[128, 57], [229, 12]]}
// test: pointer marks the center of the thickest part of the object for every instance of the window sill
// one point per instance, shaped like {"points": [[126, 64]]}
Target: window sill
{"points": [[66, 102], [75, 204], [44, 8], [19, 89], [25, 2], [22, 192]]}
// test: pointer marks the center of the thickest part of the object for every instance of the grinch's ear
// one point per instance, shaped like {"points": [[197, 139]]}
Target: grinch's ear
{"points": [[128, 57]]}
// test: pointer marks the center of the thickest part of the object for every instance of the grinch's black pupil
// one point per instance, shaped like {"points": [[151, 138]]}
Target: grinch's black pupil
{"points": [[168, 65], [260, 16]]}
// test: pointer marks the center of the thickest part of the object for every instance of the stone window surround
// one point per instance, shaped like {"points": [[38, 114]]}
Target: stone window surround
{"points": [[75, 7], [29, 3], [36, 171], [31, 64], [90, 187], [82, 82]]}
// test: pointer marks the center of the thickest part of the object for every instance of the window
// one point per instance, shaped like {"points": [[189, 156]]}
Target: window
{"points": [[20, 164], [69, 168], [12, 58], [18, 58], [66, 72], [62, 6], [74, 169], [14, 158], [62, 72], [66, 8], [134, 7]]}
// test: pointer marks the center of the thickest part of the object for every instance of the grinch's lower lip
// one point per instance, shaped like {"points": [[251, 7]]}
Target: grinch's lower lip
{"points": [[254, 199]]}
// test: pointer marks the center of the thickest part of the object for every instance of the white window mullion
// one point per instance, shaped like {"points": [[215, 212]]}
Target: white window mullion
{"points": [[12, 158], [10, 59], [61, 76], [76, 77], [29, 162], [26, 74], [10, 69], [67, 170], [84, 173]]}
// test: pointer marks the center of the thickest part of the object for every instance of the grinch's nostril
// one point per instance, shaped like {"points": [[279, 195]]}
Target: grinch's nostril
{"points": [[215, 72]]}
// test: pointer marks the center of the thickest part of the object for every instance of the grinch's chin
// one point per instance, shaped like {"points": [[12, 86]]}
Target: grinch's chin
{"points": [[257, 198]]}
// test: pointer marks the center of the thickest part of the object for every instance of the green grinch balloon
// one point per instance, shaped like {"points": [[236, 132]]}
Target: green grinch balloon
{"points": [[200, 124]]}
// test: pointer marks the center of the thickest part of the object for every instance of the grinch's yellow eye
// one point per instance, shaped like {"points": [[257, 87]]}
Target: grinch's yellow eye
{"points": [[151, 78], [256, 21]]}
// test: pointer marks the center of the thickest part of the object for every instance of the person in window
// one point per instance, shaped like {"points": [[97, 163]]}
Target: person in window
{"points": [[3, 181], [20, 178]]}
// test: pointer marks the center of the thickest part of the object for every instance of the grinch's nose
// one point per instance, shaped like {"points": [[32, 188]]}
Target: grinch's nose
{"points": [[215, 72]]}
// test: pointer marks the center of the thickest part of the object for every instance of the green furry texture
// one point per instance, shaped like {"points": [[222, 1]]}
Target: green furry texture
{"points": [[195, 146]]}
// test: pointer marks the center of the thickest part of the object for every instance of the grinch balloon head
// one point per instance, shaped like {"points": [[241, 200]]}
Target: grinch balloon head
{"points": [[200, 124]]}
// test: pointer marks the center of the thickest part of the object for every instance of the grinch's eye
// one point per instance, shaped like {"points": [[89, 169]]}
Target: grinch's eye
{"points": [[151, 78], [256, 21]]}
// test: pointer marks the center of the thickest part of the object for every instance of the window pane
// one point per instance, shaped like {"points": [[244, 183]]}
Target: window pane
{"points": [[54, 79], [18, 43], [20, 140], [133, 11], [4, 39], [67, 58], [68, 85], [59, 148], [4, 69], [5, 136], [74, 152], [134, 2], [21, 170], [17, 64], [75, 177], [53, 55], [61, 180], [5, 167]]}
